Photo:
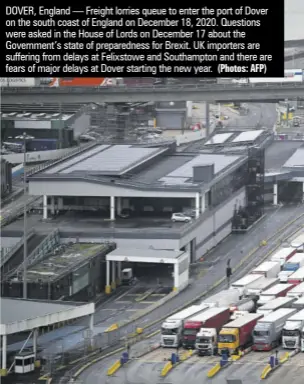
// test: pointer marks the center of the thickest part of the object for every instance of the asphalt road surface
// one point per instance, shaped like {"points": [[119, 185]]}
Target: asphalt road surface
{"points": [[235, 248]]}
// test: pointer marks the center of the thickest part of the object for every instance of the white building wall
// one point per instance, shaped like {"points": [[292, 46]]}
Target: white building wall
{"points": [[183, 279]]}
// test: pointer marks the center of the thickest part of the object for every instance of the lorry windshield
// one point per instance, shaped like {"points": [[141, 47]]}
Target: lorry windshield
{"points": [[291, 333], [260, 333], [190, 332], [203, 340], [169, 332], [226, 338]]}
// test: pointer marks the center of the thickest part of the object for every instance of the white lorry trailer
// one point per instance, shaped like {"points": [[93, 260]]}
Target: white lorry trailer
{"points": [[278, 290], [172, 328], [292, 331], [297, 291], [299, 304], [270, 269], [222, 299], [257, 287], [243, 283], [275, 304], [283, 255], [268, 330]]}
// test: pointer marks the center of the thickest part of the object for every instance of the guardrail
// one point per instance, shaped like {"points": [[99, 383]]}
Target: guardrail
{"points": [[39, 252], [13, 250], [126, 88]]}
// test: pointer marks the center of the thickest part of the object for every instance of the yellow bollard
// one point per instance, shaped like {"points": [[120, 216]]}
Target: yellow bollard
{"points": [[108, 290]]}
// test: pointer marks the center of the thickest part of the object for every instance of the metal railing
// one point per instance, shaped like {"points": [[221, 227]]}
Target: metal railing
{"points": [[39, 252], [15, 248], [13, 215]]}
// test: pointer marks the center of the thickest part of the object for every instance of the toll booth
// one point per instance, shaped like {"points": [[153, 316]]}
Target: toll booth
{"points": [[25, 362]]}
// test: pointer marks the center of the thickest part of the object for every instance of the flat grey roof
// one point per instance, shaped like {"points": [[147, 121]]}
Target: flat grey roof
{"points": [[220, 162], [296, 160], [248, 136], [219, 138], [279, 152], [145, 253], [107, 160], [16, 310]]}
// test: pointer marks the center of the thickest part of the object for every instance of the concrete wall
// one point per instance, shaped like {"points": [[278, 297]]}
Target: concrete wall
{"points": [[36, 156]]}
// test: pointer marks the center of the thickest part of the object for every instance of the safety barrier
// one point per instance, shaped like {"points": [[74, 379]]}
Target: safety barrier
{"points": [[113, 369], [111, 328], [275, 363], [175, 360]]}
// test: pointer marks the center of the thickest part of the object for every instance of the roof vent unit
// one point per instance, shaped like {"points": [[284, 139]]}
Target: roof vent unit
{"points": [[203, 173]]}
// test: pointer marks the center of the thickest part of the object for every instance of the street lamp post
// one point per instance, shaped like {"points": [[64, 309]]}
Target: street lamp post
{"points": [[24, 137]]}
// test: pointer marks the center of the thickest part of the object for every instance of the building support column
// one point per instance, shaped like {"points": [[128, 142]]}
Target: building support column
{"points": [[4, 353], [118, 280], [203, 205], [108, 287], [112, 208], [45, 207], [91, 323], [176, 277], [113, 283], [197, 205], [35, 340], [53, 205], [275, 194], [119, 205]]}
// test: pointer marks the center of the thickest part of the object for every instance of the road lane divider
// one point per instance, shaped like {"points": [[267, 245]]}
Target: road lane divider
{"points": [[166, 369], [214, 370], [111, 328], [145, 295]]}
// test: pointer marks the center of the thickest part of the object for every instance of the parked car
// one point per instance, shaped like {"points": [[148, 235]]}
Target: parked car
{"points": [[180, 217]]}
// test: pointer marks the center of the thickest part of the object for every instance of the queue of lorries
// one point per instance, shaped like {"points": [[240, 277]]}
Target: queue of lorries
{"points": [[261, 310]]}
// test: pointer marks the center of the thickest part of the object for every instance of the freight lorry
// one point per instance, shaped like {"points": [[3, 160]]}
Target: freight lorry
{"points": [[267, 332], [283, 255], [284, 275], [278, 290], [238, 313], [292, 331], [237, 334], [298, 304], [206, 338], [275, 304], [222, 299], [243, 283], [297, 291], [257, 287], [213, 318], [270, 269], [297, 277], [172, 328], [294, 263]]}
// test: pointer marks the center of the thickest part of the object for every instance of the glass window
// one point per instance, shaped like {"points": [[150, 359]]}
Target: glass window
{"points": [[228, 338]]}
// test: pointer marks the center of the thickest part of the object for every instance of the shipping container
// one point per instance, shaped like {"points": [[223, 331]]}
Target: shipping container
{"points": [[294, 263], [279, 290], [269, 269]]}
